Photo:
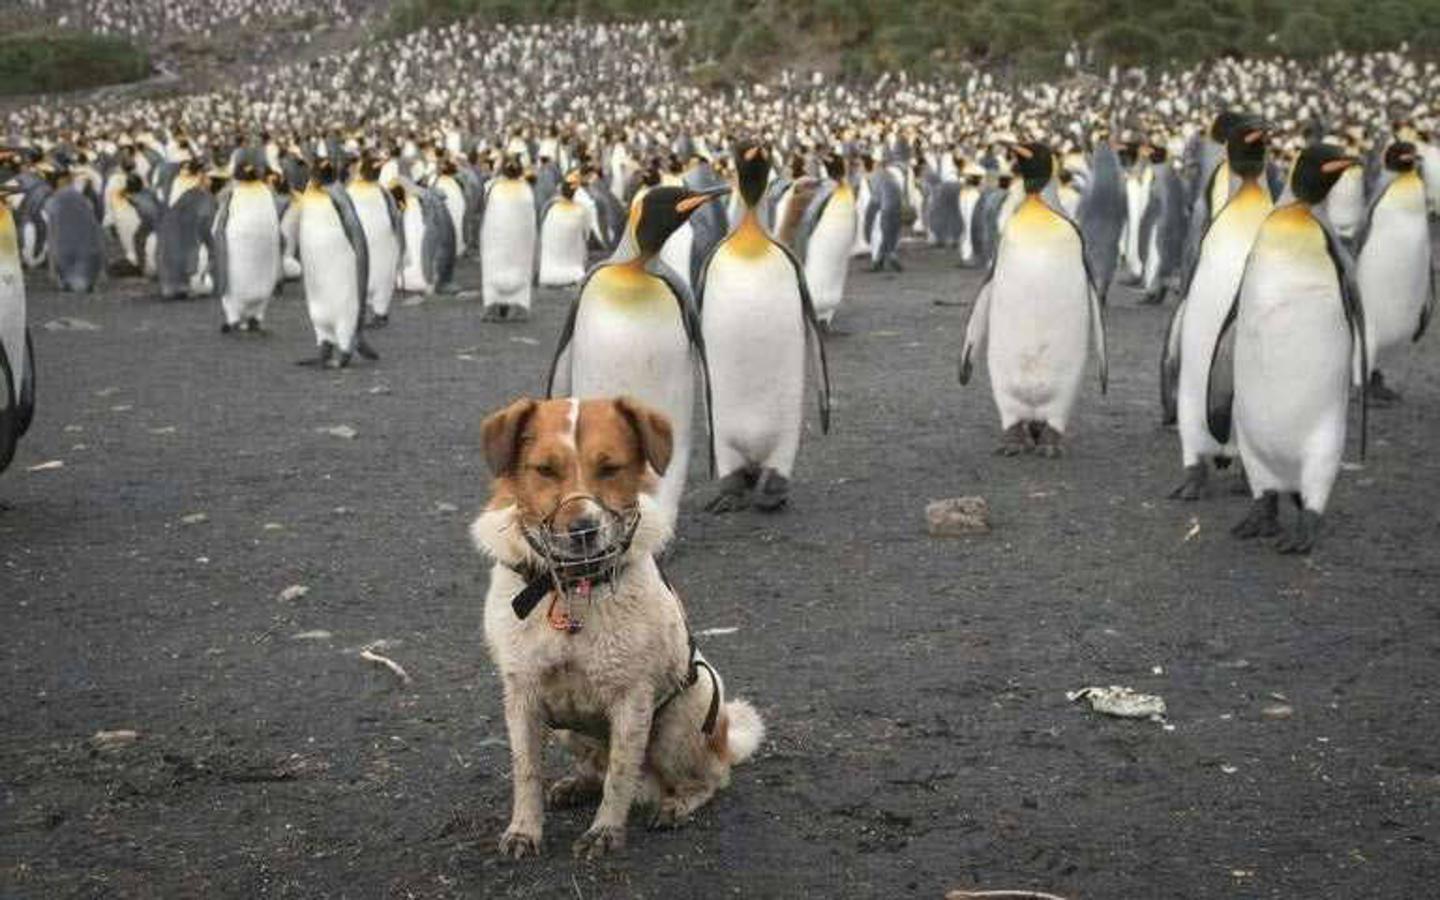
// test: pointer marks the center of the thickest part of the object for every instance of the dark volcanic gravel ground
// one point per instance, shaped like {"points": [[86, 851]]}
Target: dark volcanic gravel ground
{"points": [[920, 738]]}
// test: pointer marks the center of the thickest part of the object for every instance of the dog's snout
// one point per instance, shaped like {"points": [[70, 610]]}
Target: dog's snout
{"points": [[584, 526]]}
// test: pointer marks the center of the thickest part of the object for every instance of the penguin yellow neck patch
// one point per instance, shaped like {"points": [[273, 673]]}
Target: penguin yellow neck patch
{"points": [[749, 239], [628, 286]]}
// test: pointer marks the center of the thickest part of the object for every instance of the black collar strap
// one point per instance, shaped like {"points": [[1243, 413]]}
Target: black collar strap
{"points": [[540, 582]]}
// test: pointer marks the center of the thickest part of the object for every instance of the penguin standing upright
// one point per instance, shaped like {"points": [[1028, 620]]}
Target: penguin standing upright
{"points": [[336, 264], [633, 329], [882, 219], [74, 240], [757, 319], [247, 250], [1219, 264], [1345, 204], [1287, 357], [1038, 309], [1102, 215], [1394, 270], [507, 245], [184, 241], [1139, 178], [17, 354], [969, 200], [563, 225], [384, 237], [1162, 230], [830, 227]]}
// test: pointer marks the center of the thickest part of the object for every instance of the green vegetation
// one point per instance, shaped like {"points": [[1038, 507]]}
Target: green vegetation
{"points": [[51, 59], [857, 36]]}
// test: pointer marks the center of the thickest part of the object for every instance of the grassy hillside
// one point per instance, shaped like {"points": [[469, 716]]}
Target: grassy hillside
{"points": [[925, 35], [52, 59]]}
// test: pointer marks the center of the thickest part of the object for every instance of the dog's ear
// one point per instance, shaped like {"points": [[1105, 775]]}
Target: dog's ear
{"points": [[653, 428], [500, 434]]}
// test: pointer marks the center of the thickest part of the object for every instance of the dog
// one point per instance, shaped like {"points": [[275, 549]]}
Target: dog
{"points": [[590, 640]]}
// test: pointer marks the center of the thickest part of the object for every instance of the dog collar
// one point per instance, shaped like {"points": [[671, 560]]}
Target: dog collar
{"points": [[540, 583]]}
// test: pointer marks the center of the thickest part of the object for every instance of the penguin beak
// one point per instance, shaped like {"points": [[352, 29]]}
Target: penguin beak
{"points": [[1021, 150], [1254, 136], [698, 199]]}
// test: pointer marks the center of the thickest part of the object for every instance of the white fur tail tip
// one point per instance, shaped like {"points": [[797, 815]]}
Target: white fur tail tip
{"points": [[746, 732]]}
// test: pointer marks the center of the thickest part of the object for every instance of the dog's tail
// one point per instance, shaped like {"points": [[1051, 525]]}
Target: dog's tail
{"points": [[746, 730]]}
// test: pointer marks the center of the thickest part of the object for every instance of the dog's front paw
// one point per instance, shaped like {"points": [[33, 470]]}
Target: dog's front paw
{"points": [[598, 841], [518, 844]]}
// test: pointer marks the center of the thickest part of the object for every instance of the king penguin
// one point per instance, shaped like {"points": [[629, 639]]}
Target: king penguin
{"points": [[563, 226], [757, 318], [379, 215], [75, 240], [507, 245], [1039, 309], [336, 268], [1287, 357], [1394, 269], [17, 353], [247, 250], [633, 330], [1219, 264], [829, 227], [1102, 215]]}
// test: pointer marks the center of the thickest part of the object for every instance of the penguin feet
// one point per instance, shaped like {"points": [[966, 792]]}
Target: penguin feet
{"points": [[734, 492], [1193, 487], [772, 493], [227, 328], [498, 312], [327, 355], [1378, 394], [893, 262], [251, 326], [1153, 298], [1302, 540], [1049, 443], [1016, 440], [341, 360], [1263, 520], [379, 320]]}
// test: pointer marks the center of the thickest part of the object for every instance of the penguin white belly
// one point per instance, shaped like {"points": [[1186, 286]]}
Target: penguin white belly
{"points": [[454, 202], [635, 343], [1292, 370], [331, 292], [1430, 165], [1393, 273], [252, 247], [1345, 205], [562, 244], [412, 276], [200, 283], [1212, 292], [968, 198], [290, 233], [754, 330], [676, 252], [32, 255], [126, 222], [1136, 197], [380, 242], [862, 202], [1039, 319], [12, 300], [507, 244], [827, 255]]}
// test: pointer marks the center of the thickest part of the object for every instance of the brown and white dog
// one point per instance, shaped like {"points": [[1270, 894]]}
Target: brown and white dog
{"points": [[608, 666]]}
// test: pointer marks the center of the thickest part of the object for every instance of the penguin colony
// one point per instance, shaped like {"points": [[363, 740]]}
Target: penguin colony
{"points": [[1282, 209]]}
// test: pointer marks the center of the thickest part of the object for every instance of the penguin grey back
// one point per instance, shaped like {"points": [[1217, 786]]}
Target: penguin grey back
{"points": [[183, 229], [77, 243], [1102, 215]]}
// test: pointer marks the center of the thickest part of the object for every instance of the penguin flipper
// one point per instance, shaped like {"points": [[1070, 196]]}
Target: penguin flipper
{"points": [[220, 249], [812, 327], [1170, 367], [695, 335], [25, 403], [1220, 389], [397, 224], [975, 331], [811, 217], [355, 234], [1355, 320], [1097, 320], [9, 413], [1427, 312]]}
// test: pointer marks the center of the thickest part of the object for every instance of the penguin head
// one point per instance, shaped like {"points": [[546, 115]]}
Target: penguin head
{"points": [[752, 170], [664, 209], [835, 166], [248, 172], [1246, 145], [1224, 124], [369, 168], [1036, 164], [1400, 157], [324, 172], [1317, 170], [511, 168]]}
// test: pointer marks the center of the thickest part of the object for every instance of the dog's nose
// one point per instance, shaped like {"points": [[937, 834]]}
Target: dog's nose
{"points": [[584, 527]]}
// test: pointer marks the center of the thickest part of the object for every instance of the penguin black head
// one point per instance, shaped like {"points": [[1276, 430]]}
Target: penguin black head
{"points": [[369, 168], [1400, 157], [1004, 181], [512, 167], [1317, 170], [325, 172], [835, 166], [1158, 154], [1036, 164], [752, 170], [1245, 146], [1222, 126], [664, 209], [248, 172], [133, 184]]}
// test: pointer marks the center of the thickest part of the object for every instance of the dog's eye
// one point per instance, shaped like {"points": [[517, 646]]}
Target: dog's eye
{"points": [[606, 471], [546, 470]]}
